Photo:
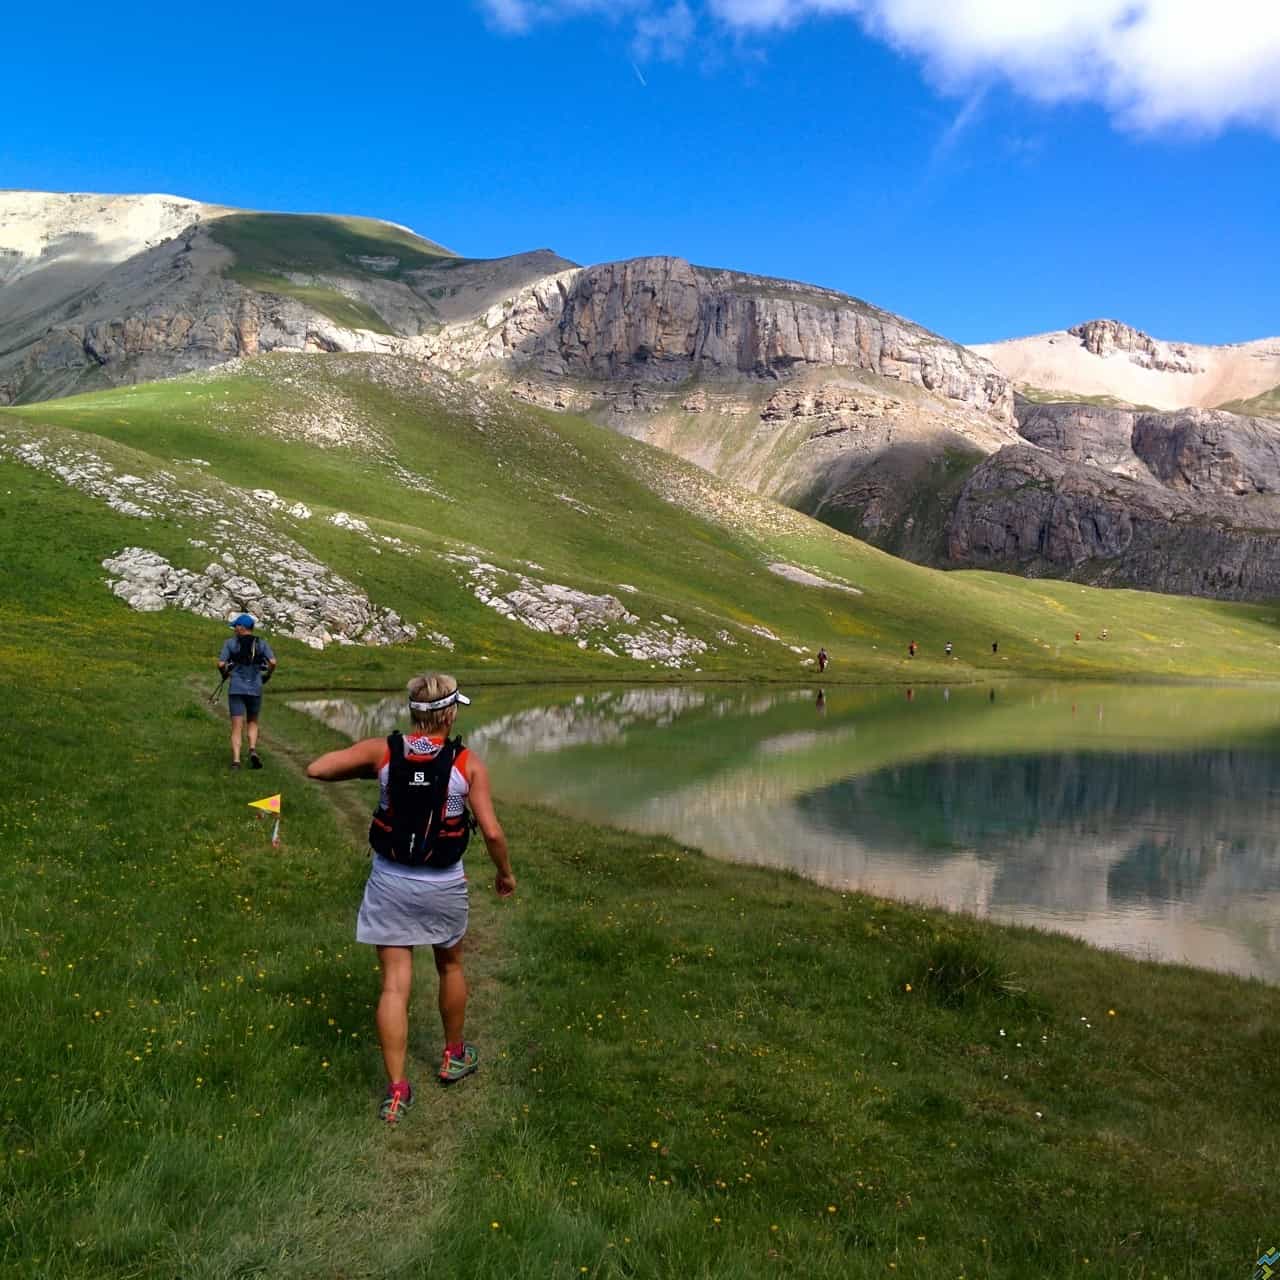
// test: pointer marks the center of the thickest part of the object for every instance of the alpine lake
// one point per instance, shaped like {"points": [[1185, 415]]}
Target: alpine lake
{"points": [[1143, 818]]}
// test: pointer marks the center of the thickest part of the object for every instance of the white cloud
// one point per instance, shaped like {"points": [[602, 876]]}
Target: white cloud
{"points": [[666, 34], [1153, 64], [520, 15]]}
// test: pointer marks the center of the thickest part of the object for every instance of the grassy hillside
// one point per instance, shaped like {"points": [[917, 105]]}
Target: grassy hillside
{"points": [[452, 472], [1266, 405], [1039, 395], [277, 252]]}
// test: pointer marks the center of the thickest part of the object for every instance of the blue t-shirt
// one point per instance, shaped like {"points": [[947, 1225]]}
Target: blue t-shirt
{"points": [[246, 677]]}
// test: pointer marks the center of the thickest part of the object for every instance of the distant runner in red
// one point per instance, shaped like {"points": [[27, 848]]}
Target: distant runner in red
{"points": [[822, 660], [433, 793]]}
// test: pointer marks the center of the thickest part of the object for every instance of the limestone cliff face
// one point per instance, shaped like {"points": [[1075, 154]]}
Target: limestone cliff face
{"points": [[1185, 502], [1207, 451], [664, 320], [1200, 451], [1102, 337]]}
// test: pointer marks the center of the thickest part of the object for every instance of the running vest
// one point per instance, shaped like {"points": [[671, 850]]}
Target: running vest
{"points": [[413, 823], [246, 652]]}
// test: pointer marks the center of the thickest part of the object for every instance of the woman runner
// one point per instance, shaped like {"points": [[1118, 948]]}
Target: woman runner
{"points": [[407, 904]]}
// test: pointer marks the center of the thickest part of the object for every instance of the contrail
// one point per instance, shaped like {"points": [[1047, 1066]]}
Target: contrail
{"points": [[639, 77]]}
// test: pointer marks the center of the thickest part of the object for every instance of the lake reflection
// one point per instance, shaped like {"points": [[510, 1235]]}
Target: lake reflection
{"points": [[1139, 818]]}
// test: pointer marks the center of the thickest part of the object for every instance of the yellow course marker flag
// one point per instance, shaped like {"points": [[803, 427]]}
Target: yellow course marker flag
{"points": [[271, 804]]}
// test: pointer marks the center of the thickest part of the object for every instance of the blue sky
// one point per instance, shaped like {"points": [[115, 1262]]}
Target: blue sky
{"points": [[987, 181]]}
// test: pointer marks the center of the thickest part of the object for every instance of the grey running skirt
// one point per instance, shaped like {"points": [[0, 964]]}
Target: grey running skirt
{"points": [[410, 911]]}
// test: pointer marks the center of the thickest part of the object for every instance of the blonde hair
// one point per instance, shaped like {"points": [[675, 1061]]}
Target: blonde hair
{"points": [[431, 686]]}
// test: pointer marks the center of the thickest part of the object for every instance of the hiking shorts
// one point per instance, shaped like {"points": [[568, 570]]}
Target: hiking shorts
{"points": [[244, 704]]}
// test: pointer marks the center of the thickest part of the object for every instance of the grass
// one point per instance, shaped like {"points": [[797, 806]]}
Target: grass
{"points": [[1266, 405], [350, 312], [691, 1068], [517, 485], [1039, 395], [272, 249]]}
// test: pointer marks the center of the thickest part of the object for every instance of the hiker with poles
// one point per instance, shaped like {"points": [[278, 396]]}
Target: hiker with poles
{"points": [[433, 792], [248, 662]]}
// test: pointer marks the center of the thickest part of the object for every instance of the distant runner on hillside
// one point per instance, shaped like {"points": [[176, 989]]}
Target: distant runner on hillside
{"points": [[947, 648], [249, 663], [822, 660], [433, 793]]}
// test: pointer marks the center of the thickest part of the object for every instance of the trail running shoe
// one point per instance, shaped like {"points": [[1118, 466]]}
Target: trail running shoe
{"points": [[453, 1069], [235, 764], [254, 762], [398, 1100]]}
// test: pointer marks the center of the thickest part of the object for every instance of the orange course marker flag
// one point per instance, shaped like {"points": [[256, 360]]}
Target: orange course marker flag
{"points": [[271, 804]]}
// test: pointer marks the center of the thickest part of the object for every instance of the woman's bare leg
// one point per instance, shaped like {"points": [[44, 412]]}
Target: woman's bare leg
{"points": [[453, 992], [393, 1008]]}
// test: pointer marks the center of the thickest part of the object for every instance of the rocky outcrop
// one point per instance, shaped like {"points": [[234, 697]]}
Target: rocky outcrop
{"points": [[601, 622], [1085, 433], [301, 598], [1027, 511], [1209, 452], [1113, 363], [1102, 337], [99, 291], [1202, 451], [662, 320]]}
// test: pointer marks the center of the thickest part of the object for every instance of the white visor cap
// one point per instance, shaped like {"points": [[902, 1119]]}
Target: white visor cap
{"points": [[440, 703]]}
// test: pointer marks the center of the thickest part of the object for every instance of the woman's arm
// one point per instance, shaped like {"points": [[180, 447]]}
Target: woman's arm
{"points": [[481, 801], [360, 760]]}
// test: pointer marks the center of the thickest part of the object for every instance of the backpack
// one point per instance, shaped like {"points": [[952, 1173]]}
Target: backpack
{"points": [[414, 828]]}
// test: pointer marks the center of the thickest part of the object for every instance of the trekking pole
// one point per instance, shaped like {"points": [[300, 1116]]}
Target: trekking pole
{"points": [[213, 697]]}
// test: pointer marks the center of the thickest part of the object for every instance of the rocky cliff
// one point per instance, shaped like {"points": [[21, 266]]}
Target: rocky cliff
{"points": [[663, 320], [1184, 502]]}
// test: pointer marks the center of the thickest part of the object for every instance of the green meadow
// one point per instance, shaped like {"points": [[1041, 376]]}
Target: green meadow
{"points": [[689, 1068]]}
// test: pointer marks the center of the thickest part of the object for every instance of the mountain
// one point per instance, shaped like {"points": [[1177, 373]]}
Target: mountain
{"points": [[105, 290], [1093, 454], [824, 401], [834, 406], [1115, 363], [1142, 463]]}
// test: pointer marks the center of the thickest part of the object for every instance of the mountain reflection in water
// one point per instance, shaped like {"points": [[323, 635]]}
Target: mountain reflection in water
{"points": [[1140, 818]]}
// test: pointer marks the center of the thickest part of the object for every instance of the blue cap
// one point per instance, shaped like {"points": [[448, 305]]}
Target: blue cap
{"points": [[244, 620]]}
